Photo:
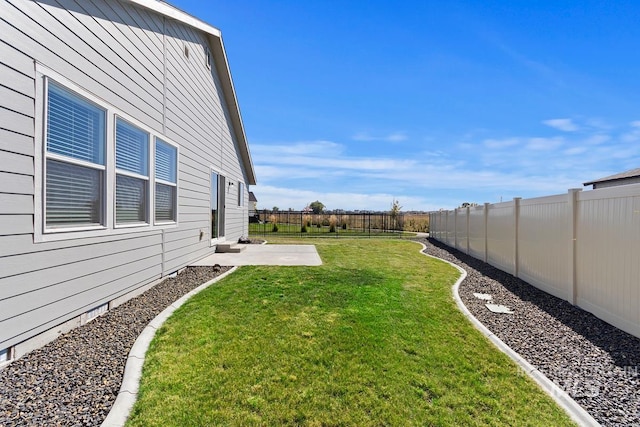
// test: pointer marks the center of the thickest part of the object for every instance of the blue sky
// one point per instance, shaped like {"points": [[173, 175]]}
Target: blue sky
{"points": [[433, 103]]}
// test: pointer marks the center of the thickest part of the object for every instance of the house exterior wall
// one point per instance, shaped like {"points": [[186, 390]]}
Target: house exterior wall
{"points": [[617, 182], [133, 60]]}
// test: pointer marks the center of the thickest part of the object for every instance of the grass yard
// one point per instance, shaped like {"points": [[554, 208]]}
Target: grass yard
{"points": [[371, 338]]}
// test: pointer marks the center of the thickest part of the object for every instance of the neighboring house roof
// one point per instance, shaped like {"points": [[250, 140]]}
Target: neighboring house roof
{"points": [[222, 66], [633, 173], [252, 197]]}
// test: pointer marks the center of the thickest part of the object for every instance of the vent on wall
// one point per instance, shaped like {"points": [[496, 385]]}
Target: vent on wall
{"points": [[186, 51], [92, 314], [208, 57]]}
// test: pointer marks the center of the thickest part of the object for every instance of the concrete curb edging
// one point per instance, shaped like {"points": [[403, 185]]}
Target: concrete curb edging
{"points": [[577, 413], [128, 393]]}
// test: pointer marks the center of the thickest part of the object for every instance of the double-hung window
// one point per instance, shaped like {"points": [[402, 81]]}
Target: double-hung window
{"points": [[74, 161], [132, 174], [99, 171], [166, 164]]}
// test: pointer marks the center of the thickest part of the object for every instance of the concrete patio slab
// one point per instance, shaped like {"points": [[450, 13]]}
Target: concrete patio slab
{"points": [[290, 255]]}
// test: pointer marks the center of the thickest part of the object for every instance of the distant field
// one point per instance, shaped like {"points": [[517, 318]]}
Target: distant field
{"points": [[351, 225]]}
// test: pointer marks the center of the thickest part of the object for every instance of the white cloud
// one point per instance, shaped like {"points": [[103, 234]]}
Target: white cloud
{"points": [[286, 197], [565, 125], [574, 151], [319, 147], [501, 143], [392, 137], [546, 144], [484, 170], [597, 139]]}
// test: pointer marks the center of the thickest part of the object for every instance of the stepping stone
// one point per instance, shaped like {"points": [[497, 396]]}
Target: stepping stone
{"points": [[485, 297], [496, 308]]}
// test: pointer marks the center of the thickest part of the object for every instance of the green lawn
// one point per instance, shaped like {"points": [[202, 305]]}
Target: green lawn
{"points": [[371, 338]]}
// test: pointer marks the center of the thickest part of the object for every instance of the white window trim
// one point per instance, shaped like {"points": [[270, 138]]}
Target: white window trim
{"points": [[41, 234]]}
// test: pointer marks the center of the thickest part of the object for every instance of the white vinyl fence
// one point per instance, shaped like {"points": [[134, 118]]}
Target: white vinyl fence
{"points": [[583, 247]]}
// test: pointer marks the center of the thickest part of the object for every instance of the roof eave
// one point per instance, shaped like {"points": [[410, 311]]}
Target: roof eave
{"points": [[224, 72], [222, 67]]}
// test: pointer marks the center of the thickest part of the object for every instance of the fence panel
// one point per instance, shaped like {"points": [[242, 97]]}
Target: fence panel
{"points": [[451, 228], [608, 255], [477, 232], [543, 251], [501, 236], [583, 247], [462, 229]]}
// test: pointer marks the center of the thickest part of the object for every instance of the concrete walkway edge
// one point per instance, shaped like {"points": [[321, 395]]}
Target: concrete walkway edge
{"points": [[128, 393], [577, 413]]}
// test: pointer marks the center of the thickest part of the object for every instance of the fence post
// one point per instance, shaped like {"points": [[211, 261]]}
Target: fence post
{"points": [[486, 232], [516, 255], [573, 219], [468, 230], [455, 228]]}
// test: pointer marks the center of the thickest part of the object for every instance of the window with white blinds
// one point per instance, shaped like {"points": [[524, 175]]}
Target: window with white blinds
{"points": [[75, 160], [102, 170], [166, 188], [132, 173]]}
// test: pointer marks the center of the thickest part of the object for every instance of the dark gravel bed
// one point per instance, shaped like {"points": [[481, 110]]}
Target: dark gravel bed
{"points": [[74, 380], [597, 364]]}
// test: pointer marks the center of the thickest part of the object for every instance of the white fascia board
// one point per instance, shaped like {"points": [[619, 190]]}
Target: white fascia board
{"points": [[230, 92], [173, 12], [220, 57]]}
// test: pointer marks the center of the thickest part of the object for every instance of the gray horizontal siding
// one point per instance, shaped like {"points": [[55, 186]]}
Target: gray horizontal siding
{"points": [[40, 35], [116, 52], [16, 184], [70, 258], [56, 311], [30, 290], [16, 163], [15, 143], [15, 121], [14, 225], [16, 204], [22, 245], [20, 82]]}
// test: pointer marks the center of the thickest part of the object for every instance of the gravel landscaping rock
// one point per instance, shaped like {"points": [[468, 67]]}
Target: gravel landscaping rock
{"points": [[595, 363], [74, 380]]}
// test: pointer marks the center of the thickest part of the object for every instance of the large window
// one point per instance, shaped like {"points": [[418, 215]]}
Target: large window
{"points": [[75, 160], [99, 171], [166, 161], [132, 173]]}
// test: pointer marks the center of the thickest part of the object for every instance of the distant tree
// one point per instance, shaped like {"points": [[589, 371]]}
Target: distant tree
{"points": [[395, 212], [275, 209], [468, 205], [317, 207]]}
